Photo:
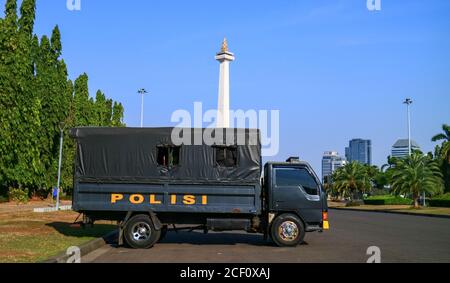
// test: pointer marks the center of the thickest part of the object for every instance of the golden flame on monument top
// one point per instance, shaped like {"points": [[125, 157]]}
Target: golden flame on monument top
{"points": [[225, 53], [224, 48]]}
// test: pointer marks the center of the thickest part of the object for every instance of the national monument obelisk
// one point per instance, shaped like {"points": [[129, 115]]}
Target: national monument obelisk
{"points": [[223, 109]]}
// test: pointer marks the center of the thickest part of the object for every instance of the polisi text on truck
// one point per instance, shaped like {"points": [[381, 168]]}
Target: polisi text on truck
{"points": [[155, 199]]}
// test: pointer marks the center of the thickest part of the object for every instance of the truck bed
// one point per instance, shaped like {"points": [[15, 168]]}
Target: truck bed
{"points": [[168, 197]]}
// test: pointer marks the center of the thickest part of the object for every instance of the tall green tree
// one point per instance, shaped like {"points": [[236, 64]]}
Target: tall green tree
{"points": [[103, 110], [117, 116], [11, 15], [27, 17], [35, 97], [108, 113], [8, 29], [416, 174], [69, 144], [51, 88], [56, 45], [20, 108], [83, 105]]}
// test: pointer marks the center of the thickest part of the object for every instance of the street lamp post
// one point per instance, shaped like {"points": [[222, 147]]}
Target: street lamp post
{"points": [[408, 103], [61, 129], [142, 92]]}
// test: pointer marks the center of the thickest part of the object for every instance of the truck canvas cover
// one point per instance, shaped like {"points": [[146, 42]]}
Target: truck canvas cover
{"points": [[130, 155]]}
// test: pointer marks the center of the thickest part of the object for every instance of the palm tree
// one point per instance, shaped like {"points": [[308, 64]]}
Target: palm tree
{"points": [[371, 170], [390, 163], [443, 153], [415, 174], [328, 187], [386, 171], [350, 179], [445, 137]]}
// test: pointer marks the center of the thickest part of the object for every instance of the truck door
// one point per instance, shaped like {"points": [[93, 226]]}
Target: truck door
{"points": [[295, 189]]}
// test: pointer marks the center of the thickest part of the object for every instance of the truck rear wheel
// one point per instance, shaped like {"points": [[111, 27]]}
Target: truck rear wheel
{"points": [[140, 233], [287, 230]]}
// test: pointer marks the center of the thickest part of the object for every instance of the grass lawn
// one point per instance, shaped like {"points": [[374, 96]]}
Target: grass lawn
{"points": [[429, 210], [394, 208], [30, 237]]}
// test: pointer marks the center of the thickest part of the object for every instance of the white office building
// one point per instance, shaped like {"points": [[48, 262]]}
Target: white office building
{"points": [[401, 148], [331, 161]]}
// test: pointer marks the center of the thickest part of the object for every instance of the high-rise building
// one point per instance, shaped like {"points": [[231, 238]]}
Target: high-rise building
{"points": [[359, 150], [330, 162], [401, 148]]}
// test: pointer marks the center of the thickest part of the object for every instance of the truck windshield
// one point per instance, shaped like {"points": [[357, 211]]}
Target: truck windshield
{"points": [[295, 177]]}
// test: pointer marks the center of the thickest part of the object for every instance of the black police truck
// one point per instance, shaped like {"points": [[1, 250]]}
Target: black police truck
{"points": [[152, 180]]}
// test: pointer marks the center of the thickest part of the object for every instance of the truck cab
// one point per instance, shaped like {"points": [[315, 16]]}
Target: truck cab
{"points": [[294, 200]]}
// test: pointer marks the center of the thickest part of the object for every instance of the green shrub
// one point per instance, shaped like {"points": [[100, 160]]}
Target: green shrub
{"points": [[18, 195], [387, 200], [440, 201]]}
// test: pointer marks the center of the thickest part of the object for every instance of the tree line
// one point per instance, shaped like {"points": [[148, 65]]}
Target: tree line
{"points": [[36, 96], [411, 176]]}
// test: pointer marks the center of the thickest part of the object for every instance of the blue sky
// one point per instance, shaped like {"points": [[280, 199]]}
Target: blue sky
{"points": [[335, 70]]}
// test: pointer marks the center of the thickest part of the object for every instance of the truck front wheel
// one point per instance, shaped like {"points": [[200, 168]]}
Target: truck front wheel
{"points": [[140, 233], [287, 230]]}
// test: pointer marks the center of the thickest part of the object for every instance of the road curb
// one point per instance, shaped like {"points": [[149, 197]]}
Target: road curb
{"points": [[85, 248], [393, 212], [52, 209]]}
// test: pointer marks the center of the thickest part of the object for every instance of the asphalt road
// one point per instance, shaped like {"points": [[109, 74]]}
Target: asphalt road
{"points": [[401, 238]]}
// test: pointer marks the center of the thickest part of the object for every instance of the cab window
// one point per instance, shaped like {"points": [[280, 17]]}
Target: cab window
{"points": [[295, 177]]}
